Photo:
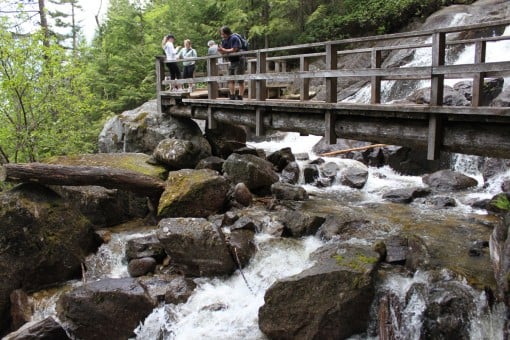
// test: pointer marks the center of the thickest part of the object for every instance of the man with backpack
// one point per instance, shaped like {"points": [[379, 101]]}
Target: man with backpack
{"points": [[231, 43]]}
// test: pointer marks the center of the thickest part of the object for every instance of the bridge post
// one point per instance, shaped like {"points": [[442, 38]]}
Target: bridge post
{"points": [[304, 89], [375, 81], [160, 75], [331, 95], [261, 93], [478, 79], [435, 132], [252, 68], [212, 90]]}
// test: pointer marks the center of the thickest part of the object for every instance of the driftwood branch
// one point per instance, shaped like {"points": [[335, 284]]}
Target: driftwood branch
{"points": [[338, 152], [111, 178]]}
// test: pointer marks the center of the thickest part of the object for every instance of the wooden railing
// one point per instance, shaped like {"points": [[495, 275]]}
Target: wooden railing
{"points": [[291, 64]]}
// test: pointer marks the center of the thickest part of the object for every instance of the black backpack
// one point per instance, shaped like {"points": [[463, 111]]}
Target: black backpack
{"points": [[244, 42]]}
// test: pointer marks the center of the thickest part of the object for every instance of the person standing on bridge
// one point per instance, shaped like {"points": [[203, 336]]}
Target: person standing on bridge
{"points": [[230, 43], [171, 57], [189, 65]]}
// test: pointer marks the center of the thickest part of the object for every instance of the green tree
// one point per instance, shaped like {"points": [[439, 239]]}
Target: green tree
{"points": [[45, 107]]}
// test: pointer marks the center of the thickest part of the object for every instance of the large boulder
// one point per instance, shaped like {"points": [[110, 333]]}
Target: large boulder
{"points": [[141, 129], [180, 154], [448, 180], [330, 300], [193, 193], [257, 173], [44, 241], [196, 246], [105, 309]]}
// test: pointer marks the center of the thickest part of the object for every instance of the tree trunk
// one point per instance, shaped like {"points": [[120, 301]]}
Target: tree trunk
{"points": [[107, 177]]}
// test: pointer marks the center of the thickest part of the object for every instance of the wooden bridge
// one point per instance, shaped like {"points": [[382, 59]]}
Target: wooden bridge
{"points": [[432, 126]]}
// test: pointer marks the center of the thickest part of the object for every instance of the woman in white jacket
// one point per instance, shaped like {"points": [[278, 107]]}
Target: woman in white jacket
{"points": [[171, 57]]}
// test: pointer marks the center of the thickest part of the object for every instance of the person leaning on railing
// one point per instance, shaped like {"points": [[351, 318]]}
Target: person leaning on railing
{"points": [[230, 43]]}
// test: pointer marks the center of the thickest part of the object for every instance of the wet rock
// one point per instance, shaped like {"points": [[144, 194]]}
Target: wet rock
{"points": [[286, 191], [491, 89], [181, 154], [412, 162], [448, 180], [168, 288], [299, 224], [105, 309], [212, 162], [242, 194], [21, 308], [405, 195], [145, 246], [329, 169], [343, 225], [196, 246], [104, 207], [281, 158], [193, 193], [331, 300], [448, 307], [290, 174], [242, 246], [257, 173], [310, 173], [354, 176], [47, 328], [441, 202], [141, 266], [43, 240], [450, 97], [225, 139]]}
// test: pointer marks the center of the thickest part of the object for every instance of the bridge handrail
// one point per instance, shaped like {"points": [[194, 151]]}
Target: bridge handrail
{"points": [[437, 71]]}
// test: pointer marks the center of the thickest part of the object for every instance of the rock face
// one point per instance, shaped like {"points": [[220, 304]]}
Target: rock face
{"points": [[193, 193], [43, 241], [331, 300], [105, 309], [141, 129]]}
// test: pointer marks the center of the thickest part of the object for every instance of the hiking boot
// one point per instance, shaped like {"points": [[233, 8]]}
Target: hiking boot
{"points": [[232, 97], [238, 97]]}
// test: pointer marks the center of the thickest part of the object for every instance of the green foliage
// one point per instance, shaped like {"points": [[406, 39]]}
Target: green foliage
{"points": [[501, 202], [45, 107]]}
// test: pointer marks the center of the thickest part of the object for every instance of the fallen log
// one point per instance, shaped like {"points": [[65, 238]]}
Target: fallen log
{"points": [[77, 175], [339, 152]]}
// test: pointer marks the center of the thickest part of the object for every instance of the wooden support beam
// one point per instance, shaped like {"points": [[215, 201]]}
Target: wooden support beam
{"points": [[212, 71], [211, 122], [438, 59], [261, 91], [259, 121], [478, 79], [375, 81], [331, 64], [435, 136], [329, 133], [304, 88]]}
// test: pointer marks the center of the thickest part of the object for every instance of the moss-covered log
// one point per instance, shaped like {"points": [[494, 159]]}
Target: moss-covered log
{"points": [[107, 177]]}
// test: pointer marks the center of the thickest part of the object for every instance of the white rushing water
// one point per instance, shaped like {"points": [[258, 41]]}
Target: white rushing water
{"points": [[228, 308]]}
